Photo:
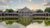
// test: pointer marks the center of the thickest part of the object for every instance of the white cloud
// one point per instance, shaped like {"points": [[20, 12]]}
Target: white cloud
{"points": [[28, 3], [29, 0], [5, 2], [35, 6], [47, 4]]}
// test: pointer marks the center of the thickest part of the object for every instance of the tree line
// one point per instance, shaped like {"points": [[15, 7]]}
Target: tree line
{"points": [[46, 10], [38, 11]]}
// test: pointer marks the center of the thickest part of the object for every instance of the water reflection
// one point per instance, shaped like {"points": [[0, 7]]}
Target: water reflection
{"points": [[14, 25], [3, 25], [17, 25], [37, 25]]}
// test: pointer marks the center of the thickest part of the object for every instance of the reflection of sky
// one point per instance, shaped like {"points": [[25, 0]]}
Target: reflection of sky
{"points": [[32, 4]]}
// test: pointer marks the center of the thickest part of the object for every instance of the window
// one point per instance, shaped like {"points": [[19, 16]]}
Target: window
{"points": [[38, 14], [2, 14], [10, 14], [46, 14], [6, 14], [15, 14], [49, 14]]}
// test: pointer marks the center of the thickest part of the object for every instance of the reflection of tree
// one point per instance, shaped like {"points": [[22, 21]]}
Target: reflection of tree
{"points": [[24, 21]]}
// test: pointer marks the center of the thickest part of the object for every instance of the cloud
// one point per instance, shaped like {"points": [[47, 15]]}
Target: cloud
{"points": [[30, 0], [5, 2], [47, 4], [22, 3]]}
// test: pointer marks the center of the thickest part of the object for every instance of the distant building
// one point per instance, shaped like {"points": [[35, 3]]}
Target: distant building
{"points": [[12, 15], [25, 12]]}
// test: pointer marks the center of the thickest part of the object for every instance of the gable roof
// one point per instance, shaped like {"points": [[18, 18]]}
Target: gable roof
{"points": [[25, 9]]}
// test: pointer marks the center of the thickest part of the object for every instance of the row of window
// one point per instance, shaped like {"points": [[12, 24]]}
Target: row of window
{"points": [[25, 14], [8, 14], [41, 14]]}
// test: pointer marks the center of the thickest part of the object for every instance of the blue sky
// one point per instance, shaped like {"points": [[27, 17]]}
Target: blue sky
{"points": [[17, 4], [48, 0], [38, 1]]}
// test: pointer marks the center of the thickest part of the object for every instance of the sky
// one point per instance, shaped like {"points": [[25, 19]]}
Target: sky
{"points": [[18, 4]]}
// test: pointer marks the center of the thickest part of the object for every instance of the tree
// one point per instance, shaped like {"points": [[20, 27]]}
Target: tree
{"points": [[1, 11], [17, 11], [9, 10], [47, 10], [39, 11]]}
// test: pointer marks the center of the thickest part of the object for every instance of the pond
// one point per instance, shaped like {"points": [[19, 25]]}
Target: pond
{"points": [[17, 25], [14, 25], [37, 25]]}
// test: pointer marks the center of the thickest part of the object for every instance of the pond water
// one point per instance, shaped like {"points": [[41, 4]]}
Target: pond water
{"points": [[14, 25], [17, 25], [37, 25]]}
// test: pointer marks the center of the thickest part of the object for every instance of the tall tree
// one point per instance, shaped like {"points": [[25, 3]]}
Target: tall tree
{"points": [[9, 10], [47, 10], [39, 11]]}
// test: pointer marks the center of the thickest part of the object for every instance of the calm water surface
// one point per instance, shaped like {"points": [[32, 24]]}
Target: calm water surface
{"points": [[17, 25], [14, 25]]}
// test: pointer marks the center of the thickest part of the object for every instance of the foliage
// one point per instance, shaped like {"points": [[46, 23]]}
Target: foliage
{"points": [[1, 11], [39, 11], [47, 23], [17, 11], [47, 9], [38, 18], [9, 22], [9, 10]]}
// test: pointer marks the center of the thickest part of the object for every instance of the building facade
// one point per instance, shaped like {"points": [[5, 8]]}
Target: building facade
{"points": [[25, 12]]}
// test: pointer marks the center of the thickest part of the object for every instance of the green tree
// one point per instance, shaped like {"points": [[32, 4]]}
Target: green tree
{"points": [[39, 11], [1, 11], [9, 10], [47, 10]]}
